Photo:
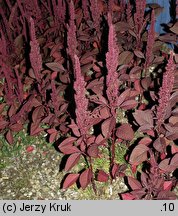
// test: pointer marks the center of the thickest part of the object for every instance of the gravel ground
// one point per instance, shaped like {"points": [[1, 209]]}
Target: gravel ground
{"points": [[35, 175]]}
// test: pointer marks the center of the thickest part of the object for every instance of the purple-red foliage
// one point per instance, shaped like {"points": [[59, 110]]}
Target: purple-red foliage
{"points": [[111, 103]]}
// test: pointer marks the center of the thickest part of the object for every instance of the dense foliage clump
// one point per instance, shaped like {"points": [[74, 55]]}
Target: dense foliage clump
{"points": [[94, 75]]}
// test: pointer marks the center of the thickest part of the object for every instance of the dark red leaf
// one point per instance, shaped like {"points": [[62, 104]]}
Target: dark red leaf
{"points": [[174, 149], [75, 129], [175, 112], [9, 137], [35, 129], [146, 82], [37, 113], [173, 119], [167, 185], [174, 161], [51, 130], [144, 178], [135, 73], [72, 160], [142, 106], [164, 165], [70, 180], [102, 176], [139, 54], [174, 98], [129, 104], [122, 26], [54, 75], [53, 137], [16, 127], [2, 107], [104, 112], [173, 134], [127, 196], [67, 146], [174, 28], [134, 168], [137, 86], [166, 195], [12, 110], [134, 183], [160, 144], [125, 57], [144, 118], [123, 96], [69, 149], [138, 155], [107, 127], [99, 99], [55, 66], [100, 139], [3, 124], [139, 194], [29, 149], [115, 169], [145, 141], [85, 178], [67, 141], [125, 132], [93, 150]]}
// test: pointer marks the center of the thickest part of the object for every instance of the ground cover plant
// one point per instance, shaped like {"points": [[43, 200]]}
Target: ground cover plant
{"points": [[96, 78]]}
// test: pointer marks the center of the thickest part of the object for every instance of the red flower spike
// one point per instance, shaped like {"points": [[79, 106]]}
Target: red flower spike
{"points": [[85, 9], [95, 12], [112, 63], [150, 40], [35, 56], [82, 115], [71, 32], [165, 91], [139, 15]]}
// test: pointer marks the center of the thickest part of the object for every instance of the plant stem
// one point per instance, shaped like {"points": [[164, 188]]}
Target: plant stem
{"points": [[92, 179]]}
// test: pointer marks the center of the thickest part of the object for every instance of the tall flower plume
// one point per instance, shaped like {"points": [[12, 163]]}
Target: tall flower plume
{"points": [[165, 90], [95, 14], [85, 9], [35, 56], [59, 10], [139, 14], [71, 34], [111, 64], [82, 115], [150, 40], [129, 11]]}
